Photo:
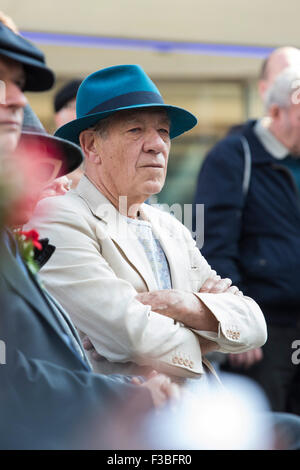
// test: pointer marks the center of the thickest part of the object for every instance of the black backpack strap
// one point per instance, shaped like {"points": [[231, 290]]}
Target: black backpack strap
{"points": [[247, 166]]}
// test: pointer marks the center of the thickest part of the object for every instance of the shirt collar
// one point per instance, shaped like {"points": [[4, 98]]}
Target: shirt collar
{"points": [[268, 140]]}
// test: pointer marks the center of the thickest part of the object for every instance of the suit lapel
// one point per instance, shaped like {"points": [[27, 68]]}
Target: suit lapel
{"points": [[67, 320], [28, 288], [119, 231]]}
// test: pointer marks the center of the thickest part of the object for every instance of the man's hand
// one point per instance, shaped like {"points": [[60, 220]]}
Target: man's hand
{"points": [[88, 346], [182, 306], [217, 285], [161, 388], [246, 359], [58, 187]]}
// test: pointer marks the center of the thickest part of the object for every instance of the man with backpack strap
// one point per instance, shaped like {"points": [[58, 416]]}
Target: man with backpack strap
{"points": [[249, 187]]}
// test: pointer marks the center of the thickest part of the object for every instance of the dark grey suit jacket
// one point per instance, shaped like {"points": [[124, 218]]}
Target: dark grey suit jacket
{"points": [[49, 397]]}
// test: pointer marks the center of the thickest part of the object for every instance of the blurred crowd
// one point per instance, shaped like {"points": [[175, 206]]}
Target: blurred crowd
{"points": [[116, 331]]}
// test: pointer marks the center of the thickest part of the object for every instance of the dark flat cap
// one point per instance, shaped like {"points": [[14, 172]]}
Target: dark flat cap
{"points": [[67, 93], [38, 76]]}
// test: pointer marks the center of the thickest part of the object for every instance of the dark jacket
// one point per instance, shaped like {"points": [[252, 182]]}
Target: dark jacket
{"points": [[253, 239], [49, 396]]}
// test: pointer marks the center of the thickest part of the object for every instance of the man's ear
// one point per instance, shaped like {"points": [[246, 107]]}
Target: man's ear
{"points": [[262, 87], [274, 111], [90, 146]]}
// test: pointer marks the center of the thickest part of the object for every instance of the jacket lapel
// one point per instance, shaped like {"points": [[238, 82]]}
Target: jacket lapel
{"points": [[119, 231], [28, 288], [69, 323]]}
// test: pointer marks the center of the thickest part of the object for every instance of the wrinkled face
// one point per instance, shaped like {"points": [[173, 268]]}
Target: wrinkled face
{"points": [[12, 102], [134, 154], [289, 120]]}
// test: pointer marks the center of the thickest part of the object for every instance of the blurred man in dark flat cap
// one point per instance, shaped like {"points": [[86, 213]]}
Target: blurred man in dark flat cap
{"points": [[249, 186]]}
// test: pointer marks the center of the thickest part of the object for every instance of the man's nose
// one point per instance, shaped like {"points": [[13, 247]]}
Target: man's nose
{"points": [[154, 142], [14, 96]]}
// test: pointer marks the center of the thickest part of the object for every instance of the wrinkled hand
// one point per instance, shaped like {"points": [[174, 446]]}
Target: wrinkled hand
{"points": [[161, 388], [58, 187], [246, 359], [182, 306], [217, 285], [88, 346]]}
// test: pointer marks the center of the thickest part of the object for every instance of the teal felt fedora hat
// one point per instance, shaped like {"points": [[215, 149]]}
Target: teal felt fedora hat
{"points": [[115, 89]]}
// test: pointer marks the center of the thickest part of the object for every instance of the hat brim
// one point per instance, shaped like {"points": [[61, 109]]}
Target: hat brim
{"points": [[38, 76], [70, 153], [181, 121]]}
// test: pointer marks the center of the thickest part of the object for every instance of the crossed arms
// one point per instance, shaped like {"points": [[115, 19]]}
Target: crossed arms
{"points": [[187, 308]]}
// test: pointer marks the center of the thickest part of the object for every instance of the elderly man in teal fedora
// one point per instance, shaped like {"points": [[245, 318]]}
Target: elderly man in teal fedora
{"points": [[129, 274]]}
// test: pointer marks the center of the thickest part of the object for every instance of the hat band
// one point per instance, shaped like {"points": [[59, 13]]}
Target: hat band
{"points": [[128, 99]]}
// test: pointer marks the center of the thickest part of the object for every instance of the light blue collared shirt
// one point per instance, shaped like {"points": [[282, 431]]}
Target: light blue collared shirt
{"points": [[154, 252]]}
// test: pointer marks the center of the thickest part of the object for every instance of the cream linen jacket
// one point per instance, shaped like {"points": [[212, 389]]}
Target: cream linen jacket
{"points": [[98, 268]]}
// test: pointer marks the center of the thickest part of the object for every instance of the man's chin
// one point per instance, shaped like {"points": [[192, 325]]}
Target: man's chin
{"points": [[9, 143], [8, 146], [152, 188], [22, 218]]}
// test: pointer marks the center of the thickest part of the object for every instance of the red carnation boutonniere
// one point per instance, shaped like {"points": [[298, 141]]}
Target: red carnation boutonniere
{"points": [[27, 243]]}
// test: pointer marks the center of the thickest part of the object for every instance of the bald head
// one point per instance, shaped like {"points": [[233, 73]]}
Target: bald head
{"points": [[8, 22], [277, 61]]}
